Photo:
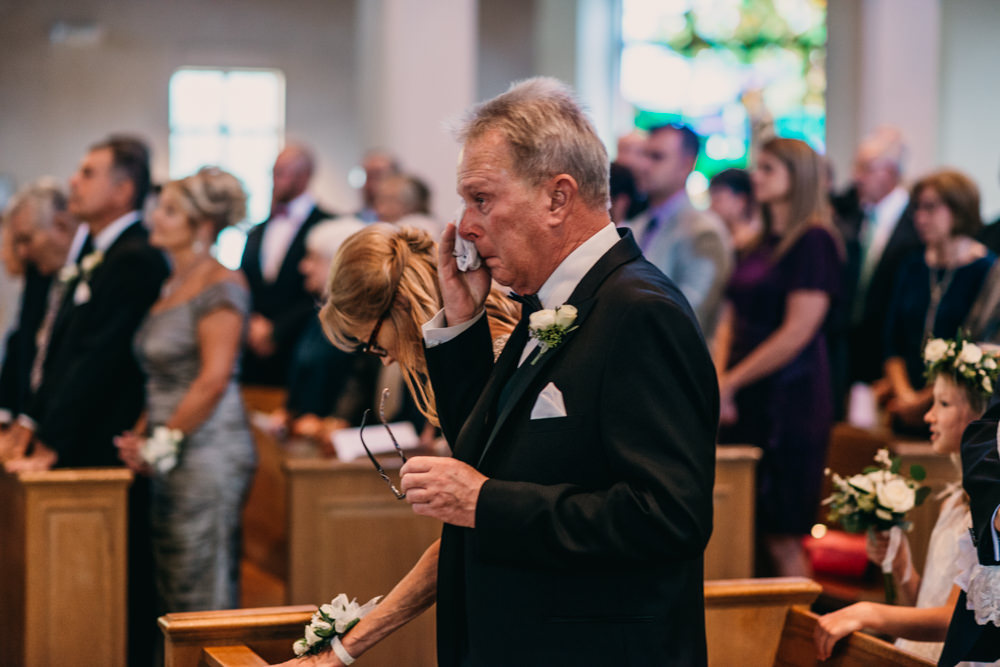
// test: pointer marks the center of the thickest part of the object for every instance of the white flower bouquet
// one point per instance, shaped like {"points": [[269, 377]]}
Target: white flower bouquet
{"points": [[549, 327], [331, 622], [878, 498]]}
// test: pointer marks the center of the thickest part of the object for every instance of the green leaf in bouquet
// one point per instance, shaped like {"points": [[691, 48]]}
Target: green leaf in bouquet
{"points": [[922, 494], [896, 463], [917, 472], [870, 469], [350, 625], [852, 523]]}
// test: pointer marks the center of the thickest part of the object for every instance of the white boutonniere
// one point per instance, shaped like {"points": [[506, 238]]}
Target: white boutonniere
{"points": [[331, 622], [81, 294], [160, 450], [549, 327]]}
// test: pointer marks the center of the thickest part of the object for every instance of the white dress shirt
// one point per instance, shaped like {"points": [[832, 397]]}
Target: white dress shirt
{"points": [[884, 216], [279, 233], [554, 292]]}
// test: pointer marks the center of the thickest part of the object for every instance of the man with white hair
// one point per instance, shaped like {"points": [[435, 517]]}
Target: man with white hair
{"points": [[881, 237], [578, 502], [42, 233]]}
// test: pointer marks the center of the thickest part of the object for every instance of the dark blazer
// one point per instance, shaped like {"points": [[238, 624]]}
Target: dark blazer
{"points": [[92, 388], [590, 533], [967, 640], [285, 302], [15, 377], [865, 336]]}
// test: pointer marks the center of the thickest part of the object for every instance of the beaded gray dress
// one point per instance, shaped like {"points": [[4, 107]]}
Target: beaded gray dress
{"points": [[196, 508]]}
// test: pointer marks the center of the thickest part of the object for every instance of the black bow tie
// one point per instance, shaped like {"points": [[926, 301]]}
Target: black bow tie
{"points": [[530, 303]]}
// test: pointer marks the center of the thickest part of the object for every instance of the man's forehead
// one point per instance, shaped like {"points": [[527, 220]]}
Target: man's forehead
{"points": [[99, 158]]}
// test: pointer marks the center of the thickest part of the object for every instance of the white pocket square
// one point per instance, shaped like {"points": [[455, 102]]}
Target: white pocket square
{"points": [[549, 403]]}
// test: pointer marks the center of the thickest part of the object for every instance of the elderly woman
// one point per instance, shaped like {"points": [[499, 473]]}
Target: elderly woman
{"points": [[934, 289]]}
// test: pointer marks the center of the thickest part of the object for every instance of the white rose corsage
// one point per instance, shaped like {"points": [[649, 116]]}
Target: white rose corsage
{"points": [[81, 294], [330, 623], [549, 327], [160, 450]]}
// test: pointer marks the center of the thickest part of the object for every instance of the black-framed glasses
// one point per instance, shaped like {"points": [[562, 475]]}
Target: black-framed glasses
{"points": [[399, 450], [371, 347]]}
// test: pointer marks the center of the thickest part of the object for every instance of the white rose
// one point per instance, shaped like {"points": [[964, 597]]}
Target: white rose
{"points": [[987, 386], [311, 636], [935, 350], [565, 315], [896, 495], [90, 262], [300, 647], [82, 293], [67, 273], [989, 363], [541, 319], [862, 482], [321, 627], [971, 353]]}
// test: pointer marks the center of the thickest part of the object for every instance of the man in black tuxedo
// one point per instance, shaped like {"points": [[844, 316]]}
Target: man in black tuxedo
{"points": [[579, 500], [876, 219], [281, 304], [91, 388], [967, 640], [42, 233]]}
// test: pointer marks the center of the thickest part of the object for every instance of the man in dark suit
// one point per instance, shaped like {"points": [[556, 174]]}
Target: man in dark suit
{"points": [[91, 387], [579, 500], [281, 304], [42, 233], [876, 220], [967, 640]]}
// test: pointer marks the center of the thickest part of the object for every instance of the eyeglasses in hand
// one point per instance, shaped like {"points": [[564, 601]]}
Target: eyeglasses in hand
{"points": [[399, 450]]}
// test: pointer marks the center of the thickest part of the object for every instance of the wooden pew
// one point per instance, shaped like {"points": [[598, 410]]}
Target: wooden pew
{"points": [[63, 566], [730, 551], [764, 622], [349, 534], [749, 622]]}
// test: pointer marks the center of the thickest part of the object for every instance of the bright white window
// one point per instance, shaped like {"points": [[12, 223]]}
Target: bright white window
{"points": [[233, 119]]}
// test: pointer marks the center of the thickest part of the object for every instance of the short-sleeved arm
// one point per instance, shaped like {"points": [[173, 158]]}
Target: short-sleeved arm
{"points": [[814, 263], [222, 295]]}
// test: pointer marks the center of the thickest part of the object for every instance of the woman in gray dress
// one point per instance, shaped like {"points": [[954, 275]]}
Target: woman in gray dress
{"points": [[200, 453]]}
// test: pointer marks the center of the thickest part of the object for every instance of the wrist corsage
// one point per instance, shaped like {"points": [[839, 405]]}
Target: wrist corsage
{"points": [[160, 450], [329, 624], [549, 327]]}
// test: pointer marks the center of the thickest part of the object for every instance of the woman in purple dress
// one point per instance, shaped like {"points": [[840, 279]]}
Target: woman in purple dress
{"points": [[774, 376]]}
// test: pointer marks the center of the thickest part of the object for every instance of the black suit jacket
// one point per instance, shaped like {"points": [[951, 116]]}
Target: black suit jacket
{"points": [[866, 351], [92, 388], [15, 377], [285, 302], [589, 538], [967, 640]]}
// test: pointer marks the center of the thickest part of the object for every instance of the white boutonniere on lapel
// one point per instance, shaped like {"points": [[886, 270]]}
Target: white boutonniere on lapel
{"points": [[88, 264], [549, 327]]}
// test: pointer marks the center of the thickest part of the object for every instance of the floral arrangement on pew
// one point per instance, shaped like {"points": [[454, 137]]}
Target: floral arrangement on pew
{"points": [[878, 498], [329, 624]]}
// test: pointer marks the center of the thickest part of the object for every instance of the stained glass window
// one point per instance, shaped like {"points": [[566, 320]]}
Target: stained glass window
{"points": [[725, 67]]}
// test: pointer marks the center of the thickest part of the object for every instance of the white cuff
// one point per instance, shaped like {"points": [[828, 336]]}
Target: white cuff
{"points": [[340, 651], [437, 332], [6, 416], [27, 422]]}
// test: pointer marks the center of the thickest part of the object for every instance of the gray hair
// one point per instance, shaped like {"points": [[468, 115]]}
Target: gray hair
{"points": [[45, 198], [549, 134]]}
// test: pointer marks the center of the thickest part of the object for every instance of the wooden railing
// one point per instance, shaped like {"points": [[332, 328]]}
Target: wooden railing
{"points": [[63, 566]]}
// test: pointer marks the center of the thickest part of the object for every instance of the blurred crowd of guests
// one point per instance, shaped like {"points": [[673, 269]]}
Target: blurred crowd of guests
{"points": [[817, 303]]}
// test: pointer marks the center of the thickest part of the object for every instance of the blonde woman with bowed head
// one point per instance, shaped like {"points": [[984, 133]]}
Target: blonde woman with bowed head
{"points": [[927, 599], [199, 451], [770, 350]]}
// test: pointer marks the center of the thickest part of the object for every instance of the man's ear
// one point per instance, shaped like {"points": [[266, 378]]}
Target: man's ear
{"points": [[563, 192]]}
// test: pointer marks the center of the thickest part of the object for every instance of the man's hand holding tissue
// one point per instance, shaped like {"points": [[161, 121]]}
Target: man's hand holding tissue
{"points": [[463, 292], [443, 488]]}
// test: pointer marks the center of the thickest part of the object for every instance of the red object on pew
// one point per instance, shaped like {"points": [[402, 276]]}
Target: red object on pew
{"points": [[838, 554]]}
